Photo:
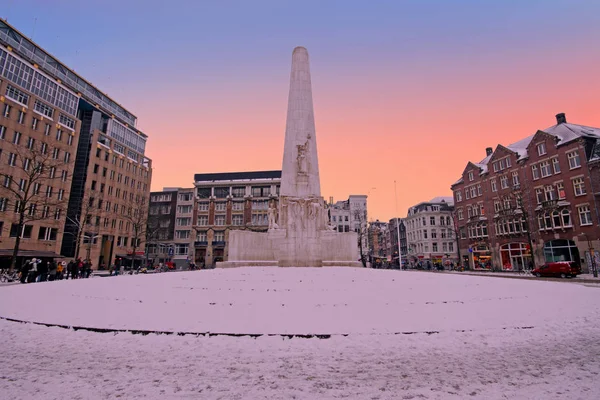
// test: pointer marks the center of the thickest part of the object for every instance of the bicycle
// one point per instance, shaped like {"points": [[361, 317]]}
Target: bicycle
{"points": [[525, 272], [7, 276]]}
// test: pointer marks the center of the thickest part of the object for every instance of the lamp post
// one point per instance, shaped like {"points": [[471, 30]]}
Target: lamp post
{"points": [[592, 255], [398, 229]]}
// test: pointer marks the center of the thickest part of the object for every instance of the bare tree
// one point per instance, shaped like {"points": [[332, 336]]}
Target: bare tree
{"points": [[31, 168], [83, 221], [152, 231], [455, 231], [136, 214], [360, 219]]}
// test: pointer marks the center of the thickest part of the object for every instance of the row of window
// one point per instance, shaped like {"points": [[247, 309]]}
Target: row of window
{"points": [[424, 247], [129, 166], [540, 170], [444, 220], [423, 234], [32, 209], [236, 191], [44, 233]]}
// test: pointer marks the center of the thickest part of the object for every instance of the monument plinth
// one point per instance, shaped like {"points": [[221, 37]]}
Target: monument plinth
{"points": [[299, 232]]}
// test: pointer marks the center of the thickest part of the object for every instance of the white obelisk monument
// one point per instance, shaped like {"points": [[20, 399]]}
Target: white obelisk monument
{"points": [[299, 232]]}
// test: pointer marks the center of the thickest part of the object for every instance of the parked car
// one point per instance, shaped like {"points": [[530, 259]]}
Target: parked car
{"points": [[562, 269]]}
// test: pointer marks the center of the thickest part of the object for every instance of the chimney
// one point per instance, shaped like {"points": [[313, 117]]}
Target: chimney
{"points": [[488, 151], [561, 119]]}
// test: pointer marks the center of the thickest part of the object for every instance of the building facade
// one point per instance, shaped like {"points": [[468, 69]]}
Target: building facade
{"points": [[531, 202], [351, 215], [393, 242], [226, 201], [109, 183], [430, 234]]}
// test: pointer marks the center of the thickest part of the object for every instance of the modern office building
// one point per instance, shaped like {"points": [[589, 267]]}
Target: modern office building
{"points": [[107, 178]]}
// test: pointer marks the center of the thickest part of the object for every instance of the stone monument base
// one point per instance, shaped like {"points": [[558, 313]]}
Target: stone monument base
{"points": [[276, 249]]}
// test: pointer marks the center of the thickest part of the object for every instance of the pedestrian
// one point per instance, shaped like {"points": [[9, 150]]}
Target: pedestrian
{"points": [[60, 270], [25, 271], [52, 269], [33, 271], [43, 271]]}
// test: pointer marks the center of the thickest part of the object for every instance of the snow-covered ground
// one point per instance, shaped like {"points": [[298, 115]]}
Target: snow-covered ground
{"points": [[494, 338]]}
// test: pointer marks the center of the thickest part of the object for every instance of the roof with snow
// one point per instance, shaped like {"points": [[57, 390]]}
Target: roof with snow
{"points": [[442, 199], [567, 132]]}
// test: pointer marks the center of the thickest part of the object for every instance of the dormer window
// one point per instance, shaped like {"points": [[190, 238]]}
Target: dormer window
{"points": [[470, 176], [541, 149]]}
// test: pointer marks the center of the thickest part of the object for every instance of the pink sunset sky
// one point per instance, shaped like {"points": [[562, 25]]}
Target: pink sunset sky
{"points": [[406, 92]]}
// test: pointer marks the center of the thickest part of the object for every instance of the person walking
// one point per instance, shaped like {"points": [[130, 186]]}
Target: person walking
{"points": [[25, 271]]}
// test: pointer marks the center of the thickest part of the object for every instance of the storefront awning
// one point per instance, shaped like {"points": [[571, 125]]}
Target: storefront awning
{"points": [[30, 253]]}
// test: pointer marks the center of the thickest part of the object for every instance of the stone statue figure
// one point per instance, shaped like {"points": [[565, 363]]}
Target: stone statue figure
{"points": [[272, 213], [301, 158]]}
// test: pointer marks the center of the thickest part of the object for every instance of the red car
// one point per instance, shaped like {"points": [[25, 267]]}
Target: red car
{"points": [[562, 269]]}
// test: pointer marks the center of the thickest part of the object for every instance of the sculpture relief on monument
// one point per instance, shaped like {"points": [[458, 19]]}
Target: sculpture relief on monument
{"points": [[299, 232]]}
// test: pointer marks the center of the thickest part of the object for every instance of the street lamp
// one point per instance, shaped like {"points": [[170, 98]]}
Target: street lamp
{"points": [[592, 255]]}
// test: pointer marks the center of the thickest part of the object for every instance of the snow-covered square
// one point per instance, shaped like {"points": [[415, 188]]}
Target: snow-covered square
{"points": [[301, 333]]}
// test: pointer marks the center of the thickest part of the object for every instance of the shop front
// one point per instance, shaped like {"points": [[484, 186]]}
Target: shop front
{"points": [[482, 257], [515, 256], [561, 250]]}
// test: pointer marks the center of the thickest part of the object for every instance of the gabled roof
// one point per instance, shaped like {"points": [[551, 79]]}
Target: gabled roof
{"points": [[567, 132], [520, 147]]}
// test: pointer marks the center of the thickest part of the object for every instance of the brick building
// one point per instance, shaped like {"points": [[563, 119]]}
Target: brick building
{"points": [[230, 200], [539, 193]]}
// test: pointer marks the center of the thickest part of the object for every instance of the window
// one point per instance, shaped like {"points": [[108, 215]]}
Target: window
{"points": [[541, 149], [458, 196], [539, 195], [203, 206], [237, 206], [3, 204], [494, 186], [182, 234], [434, 246], [2, 132], [504, 181], [12, 159], [470, 176], [560, 188], [185, 196], [261, 191], [47, 130], [497, 206], [238, 191], [44, 148], [21, 117], [66, 121], [220, 220], [566, 218], [221, 192], [181, 249], [67, 156], [556, 165], [16, 138], [431, 220], [460, 214], [220, 206], [34, 123], [204, 193], [203, 220], [47, 233], [184, 209], [574, 160], [59, 134], [43, 109], [17, 95], [237, 220], [515, 178], [545, 169], [550, 192], [479, 190], [433, 234], [585, 215], [219, 236], [55, 153], [579, 186], [535, 172], [202, 236], [25, 232], [6, 112]]}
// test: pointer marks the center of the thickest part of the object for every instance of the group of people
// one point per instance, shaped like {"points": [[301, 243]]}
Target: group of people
{"points": [[36, 270]]}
